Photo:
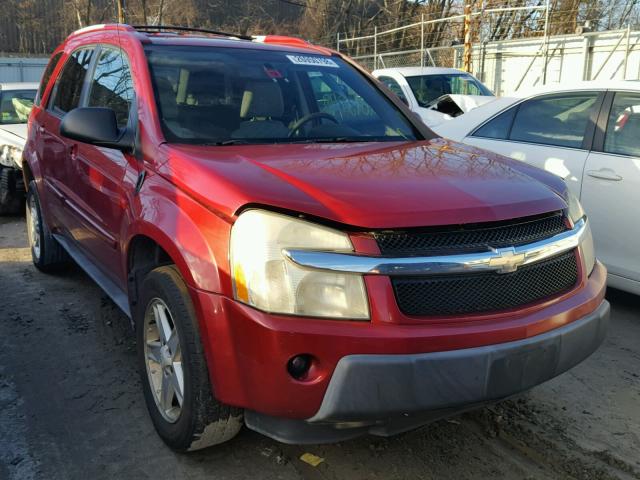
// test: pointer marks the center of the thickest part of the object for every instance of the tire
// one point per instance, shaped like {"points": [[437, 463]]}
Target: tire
{"points": [[11, 191], [47, 254], [200, 420]]}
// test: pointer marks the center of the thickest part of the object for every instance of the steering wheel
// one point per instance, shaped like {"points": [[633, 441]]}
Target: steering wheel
{"points": [[307, 118]]}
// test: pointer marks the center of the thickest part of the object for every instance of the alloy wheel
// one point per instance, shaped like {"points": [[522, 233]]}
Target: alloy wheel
{"points": [[163, 358], [33, 227]]}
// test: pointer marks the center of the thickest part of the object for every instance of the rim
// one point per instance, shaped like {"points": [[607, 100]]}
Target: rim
{"points": [[163, 359], [34, 227]]}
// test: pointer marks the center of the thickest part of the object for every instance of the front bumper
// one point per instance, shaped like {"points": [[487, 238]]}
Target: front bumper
{"points": [[387, 394], [247, 352]]}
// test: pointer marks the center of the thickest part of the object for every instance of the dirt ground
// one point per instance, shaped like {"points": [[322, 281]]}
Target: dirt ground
{"points": [[71, 405]]}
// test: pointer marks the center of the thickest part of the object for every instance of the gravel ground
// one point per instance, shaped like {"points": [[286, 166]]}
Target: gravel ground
{"points": [[72, 407]]}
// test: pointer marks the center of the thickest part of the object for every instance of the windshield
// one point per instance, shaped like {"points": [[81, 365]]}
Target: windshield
{"points": [[427, 88], [15, 106], [211, 95]]}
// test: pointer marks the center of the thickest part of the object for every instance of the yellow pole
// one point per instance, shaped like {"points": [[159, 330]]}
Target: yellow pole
{"points": [[120, 4], [467, 38]]}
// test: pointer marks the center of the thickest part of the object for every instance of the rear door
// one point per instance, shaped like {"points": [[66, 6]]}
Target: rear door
{"points": [[553, 132], [611, 186], [53, 149]]}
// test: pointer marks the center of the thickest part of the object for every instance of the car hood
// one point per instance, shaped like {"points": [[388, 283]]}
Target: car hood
{"points": [[367, 185], [16, 133], [469, 102]]}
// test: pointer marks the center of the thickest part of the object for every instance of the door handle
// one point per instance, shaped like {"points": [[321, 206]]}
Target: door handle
{"points": [[604, 174], [73, 151]]}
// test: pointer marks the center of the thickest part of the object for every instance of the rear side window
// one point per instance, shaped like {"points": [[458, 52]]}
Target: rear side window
{"points": [[623, 127], [558, 120], [395, 87], [111, 84], [46, 76], [69, 86], [498, 127]]}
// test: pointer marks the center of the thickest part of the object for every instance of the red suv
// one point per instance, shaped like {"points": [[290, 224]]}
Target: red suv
{"points": [[295, 249]]}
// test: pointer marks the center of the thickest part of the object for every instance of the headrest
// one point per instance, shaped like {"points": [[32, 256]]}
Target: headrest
{"points": [[262, 99]]}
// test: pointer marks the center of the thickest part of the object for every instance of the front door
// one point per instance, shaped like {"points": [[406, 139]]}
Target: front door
{"points": [[99, 198], [611, 188]]}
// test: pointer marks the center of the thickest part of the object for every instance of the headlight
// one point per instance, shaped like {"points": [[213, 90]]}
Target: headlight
{"points": [[265, 279], [587, 250], [575, 210]]}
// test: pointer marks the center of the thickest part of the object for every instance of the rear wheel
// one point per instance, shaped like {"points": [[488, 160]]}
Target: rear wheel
{"points": [[11, 191], [47, 254], [173, 369]]}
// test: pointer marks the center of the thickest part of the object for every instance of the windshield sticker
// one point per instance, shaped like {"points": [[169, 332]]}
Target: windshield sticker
{"points": [[272, 72], [312, 61]]}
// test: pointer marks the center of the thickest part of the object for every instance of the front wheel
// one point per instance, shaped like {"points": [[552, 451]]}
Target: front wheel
{"points": [[173, 369]]}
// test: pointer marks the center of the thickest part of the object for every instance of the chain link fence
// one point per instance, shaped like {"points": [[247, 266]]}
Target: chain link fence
{"points": [[507, 56]]}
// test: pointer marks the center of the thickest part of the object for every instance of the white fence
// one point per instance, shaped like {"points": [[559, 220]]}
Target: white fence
{"points": [[28, 69]]}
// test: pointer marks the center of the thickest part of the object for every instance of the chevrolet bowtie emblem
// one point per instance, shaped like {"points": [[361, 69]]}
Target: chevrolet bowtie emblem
{"points": [[507, 260]]}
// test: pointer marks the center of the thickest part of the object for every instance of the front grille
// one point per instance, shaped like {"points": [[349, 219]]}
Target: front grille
{"points": [[470, 237], [483, 292]]}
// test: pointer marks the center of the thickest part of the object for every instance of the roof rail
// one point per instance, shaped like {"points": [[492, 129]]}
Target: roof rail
{"points": [[101, 26], [159, 28]]}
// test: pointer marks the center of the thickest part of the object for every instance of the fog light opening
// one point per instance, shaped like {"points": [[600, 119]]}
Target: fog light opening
{"points": [[298, 366]]}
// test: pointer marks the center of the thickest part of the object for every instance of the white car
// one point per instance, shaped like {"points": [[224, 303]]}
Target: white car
{"points": [[588, 134], [16, 100], [435, 94]]}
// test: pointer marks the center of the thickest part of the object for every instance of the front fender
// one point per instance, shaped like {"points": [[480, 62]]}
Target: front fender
{"points": [[196, 239]]}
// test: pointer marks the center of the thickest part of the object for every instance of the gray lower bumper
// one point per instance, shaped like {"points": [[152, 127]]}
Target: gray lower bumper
{"points": [[387, 394]]}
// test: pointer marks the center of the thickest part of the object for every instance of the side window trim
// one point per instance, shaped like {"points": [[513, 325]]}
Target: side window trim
{"points": [[594, 118], [54, 91], [602, 121], [88, 77]]}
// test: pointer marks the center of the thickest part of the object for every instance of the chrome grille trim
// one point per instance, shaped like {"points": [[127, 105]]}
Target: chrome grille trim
{"points": [[499, 260]]}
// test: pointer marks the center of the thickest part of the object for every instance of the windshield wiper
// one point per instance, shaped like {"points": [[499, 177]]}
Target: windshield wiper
{"points": [[330, 140], [231, 141]]}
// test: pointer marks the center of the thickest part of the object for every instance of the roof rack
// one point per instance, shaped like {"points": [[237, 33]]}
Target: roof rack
{"points": [[159, 28]]}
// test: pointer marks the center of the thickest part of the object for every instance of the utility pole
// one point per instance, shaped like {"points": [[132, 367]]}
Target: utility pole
{"points": [[467, 38], [121, 11]]}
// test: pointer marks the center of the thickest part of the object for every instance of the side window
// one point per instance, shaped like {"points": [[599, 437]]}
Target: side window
{"points": [[395, 87], [46, 76], [497, 127], [111, 85], [559, 120], [335, 97], [623, 127], [69, 85], [464, 85]]}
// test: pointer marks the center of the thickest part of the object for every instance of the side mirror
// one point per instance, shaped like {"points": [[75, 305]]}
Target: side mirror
{"points": [[96, 126]]}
